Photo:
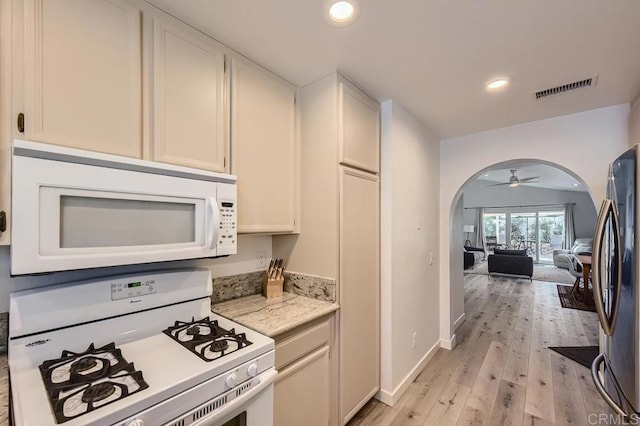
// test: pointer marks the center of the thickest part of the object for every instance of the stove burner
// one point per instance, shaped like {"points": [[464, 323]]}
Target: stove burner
{"points": [[215, 343], [78, 383], [193, 331], [83, 364], [95, 393], [219, 345]]}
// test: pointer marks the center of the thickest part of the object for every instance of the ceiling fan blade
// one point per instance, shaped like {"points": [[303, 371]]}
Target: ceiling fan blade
{"points": [[528, 179], [499, 184]]}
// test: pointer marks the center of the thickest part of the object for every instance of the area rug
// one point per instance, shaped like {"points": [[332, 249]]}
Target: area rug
{"points": [[573, 301], [583, 355], [540, 273]]}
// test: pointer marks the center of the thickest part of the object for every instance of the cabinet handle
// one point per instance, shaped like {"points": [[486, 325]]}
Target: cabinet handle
{"points": [[3, 221], [21, 123]]}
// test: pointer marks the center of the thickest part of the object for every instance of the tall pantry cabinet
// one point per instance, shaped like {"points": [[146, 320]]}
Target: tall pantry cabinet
{"points": [[340, 225]]}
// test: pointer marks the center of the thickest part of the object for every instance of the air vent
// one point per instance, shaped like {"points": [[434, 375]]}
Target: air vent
{"points": [[587, 82], [242, 389]]}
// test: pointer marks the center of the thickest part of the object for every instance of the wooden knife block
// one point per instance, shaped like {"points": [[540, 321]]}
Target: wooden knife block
{"points": [[272, 287]]}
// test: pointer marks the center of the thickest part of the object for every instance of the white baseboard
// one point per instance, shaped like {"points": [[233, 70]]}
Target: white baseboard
{"points": [[390, 398], [459, 321], [449, 344]]}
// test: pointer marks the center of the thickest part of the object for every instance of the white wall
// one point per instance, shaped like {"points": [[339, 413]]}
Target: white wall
{"points": [[409, 285], [477, 194], [244, 261], [456, 262], [584, 143]]}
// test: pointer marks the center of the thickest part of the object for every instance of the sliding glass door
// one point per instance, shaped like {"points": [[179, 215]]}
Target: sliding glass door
{"points": [[537, 230], [524, 230], [495, 230], [551, 233]]}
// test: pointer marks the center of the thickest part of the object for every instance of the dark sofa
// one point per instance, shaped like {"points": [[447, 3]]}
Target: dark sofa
{"points": [[514, 262], [469, 260], [469, 257]]}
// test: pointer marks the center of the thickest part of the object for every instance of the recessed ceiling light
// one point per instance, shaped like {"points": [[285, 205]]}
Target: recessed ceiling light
{"points": [[486, 174], [341, 12], [498, 83], [576, 184]]}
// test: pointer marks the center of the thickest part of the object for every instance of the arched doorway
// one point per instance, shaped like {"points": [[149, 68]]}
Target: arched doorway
{"points": [[455, 288]]}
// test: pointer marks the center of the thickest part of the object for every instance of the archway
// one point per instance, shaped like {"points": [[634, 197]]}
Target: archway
{"points": [[454, 227]]}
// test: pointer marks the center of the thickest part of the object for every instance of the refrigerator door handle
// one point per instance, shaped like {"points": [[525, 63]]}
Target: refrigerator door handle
{"points": [[607, 322], [595, 375]]}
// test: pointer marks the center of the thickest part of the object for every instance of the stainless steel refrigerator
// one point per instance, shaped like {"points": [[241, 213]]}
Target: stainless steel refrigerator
{"points": [[616, 371]]}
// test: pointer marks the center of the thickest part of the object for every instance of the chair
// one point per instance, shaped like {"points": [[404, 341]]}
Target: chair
{"points": [[491, 242], [575, 269], [580, 246]]}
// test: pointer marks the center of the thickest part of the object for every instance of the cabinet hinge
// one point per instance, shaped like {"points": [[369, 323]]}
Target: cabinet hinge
{"points": [[21, 123]]}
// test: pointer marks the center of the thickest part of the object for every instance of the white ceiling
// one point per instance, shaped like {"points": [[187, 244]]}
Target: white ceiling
{"points": [[434, 56], [550, 177]]}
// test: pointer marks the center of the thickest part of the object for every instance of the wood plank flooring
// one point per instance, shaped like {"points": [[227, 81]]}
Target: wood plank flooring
{"points": [[502, 372]]}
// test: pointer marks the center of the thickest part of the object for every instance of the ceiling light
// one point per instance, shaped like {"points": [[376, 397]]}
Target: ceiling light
{"points": [[514, 184], [486, 174], [576, 184], [498, 83], [342, 12]]}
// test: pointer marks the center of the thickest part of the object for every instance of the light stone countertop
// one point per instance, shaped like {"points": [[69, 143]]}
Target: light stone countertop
{"points": [[4, 391], [275, 316]]}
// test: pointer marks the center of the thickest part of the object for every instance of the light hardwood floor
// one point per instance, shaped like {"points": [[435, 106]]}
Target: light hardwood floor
{"points": [[502, 372]]}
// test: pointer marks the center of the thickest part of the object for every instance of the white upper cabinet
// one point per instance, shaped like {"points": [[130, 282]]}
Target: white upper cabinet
{"points": [[188, 98], [358, 129], [82, 74], [264, 150]]}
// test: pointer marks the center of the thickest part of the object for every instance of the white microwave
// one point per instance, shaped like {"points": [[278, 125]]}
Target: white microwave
{"points": [[74, 209]]}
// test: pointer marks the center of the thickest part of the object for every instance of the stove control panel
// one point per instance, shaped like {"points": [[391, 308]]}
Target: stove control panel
{"points": [[125, 290]]}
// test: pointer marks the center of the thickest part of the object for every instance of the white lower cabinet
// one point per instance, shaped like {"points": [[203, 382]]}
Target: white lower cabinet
{"points": [[303, 389]]}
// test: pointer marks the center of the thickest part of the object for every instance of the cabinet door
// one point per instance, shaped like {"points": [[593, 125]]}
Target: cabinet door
{"points": [[83, 75], [359, 290], [188, 98], [358, 129], [301, 392], [263, 143]]}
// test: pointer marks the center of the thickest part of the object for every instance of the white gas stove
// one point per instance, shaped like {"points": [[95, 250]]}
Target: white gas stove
{"points": [[135, 350]]}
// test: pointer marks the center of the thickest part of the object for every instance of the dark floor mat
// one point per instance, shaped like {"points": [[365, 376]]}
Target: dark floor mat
{"points": [[574, 301], [581, 354]]}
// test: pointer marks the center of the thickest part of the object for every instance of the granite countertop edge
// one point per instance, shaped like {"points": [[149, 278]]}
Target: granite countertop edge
{"points": [[4, 390], [273, 317]]}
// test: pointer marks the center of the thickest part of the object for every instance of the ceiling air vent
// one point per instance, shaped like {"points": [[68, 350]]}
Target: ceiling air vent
{"points": [[587, 82]]}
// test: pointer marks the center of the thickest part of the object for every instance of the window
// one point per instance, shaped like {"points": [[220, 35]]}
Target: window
{"points": [[537, 230]]}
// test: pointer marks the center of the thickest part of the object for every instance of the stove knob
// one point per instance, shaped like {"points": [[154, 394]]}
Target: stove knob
{"points": [[136, 422], [252, 370], [231, 380]]}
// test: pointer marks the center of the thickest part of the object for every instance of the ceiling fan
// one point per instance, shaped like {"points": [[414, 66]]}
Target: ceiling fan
{"points": [[515, 181]]}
